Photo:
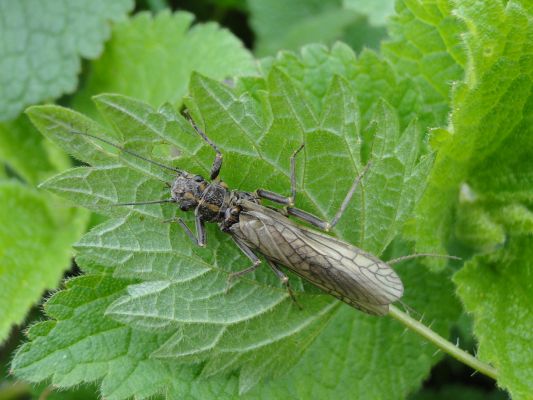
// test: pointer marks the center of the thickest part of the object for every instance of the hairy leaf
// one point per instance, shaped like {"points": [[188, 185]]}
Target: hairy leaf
{"points": [[496, 289], [252, 325], [42, 42], [490, 122], [82, 345]]}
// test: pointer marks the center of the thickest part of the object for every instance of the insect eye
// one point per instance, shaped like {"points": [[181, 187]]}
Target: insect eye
{"points": [[198, 178]]}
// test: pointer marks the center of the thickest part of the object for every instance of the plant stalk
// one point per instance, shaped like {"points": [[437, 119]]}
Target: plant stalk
{"points": [[443, 344]]}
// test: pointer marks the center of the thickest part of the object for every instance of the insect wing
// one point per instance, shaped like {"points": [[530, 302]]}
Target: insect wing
{"points": [[339, 268]]}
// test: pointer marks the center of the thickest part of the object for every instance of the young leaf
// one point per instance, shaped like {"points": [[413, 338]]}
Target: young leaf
{"points": [[486, 154], [370, 76], [427, 57], [477, 228], [490, 127], [426, 46]]}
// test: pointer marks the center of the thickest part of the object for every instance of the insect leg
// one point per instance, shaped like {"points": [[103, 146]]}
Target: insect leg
{"points": [[304, 215], [256, 261], [217, 163], [295, 212], [278, 198], [293, 173], [308, 217], [289, 201], [348, 197], [284, 280], [200, 230], [185, 228], [273, 196], [314, 220]]}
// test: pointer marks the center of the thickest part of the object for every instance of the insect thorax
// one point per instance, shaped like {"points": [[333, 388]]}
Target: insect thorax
{"points": [[232, 210], [214, 201]]}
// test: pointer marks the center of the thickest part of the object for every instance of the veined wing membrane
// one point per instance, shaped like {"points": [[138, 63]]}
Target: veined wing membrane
{"points": [[341, 269]]}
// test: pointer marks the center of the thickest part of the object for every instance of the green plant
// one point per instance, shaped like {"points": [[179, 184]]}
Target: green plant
{"points": [[444, 112]]}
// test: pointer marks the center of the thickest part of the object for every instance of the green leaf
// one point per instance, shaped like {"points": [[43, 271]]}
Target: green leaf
{"points": [[517, 218], [26, 153], [42, 45], [166, 49], [58, 119], [282, 25], [476, 227], [377, 11], [35, 248], [490, 125], [182, 291], [496, 288], [370, 77], [504, 176], [80, 345], [425, 48], [387, 361], [483, 158]]}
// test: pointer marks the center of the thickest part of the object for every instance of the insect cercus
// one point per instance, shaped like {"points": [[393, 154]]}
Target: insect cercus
{"points": [[337, 267]]}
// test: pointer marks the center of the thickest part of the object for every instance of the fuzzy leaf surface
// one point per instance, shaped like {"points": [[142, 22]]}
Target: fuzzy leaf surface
{"points": [[490, 124], [496, 289], [80, 345]]}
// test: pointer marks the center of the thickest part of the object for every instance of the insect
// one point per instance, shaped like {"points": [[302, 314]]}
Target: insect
{"points": [[339, 268]]}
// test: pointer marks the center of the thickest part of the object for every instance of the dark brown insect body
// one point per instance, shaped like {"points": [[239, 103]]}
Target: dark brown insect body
{"points": [[339, 268]]}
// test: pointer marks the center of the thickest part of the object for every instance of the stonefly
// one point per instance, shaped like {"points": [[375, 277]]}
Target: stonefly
{"points": [[339, 268]]}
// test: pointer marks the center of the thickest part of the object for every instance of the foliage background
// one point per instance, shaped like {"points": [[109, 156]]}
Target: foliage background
{"points": [[461, 68]]}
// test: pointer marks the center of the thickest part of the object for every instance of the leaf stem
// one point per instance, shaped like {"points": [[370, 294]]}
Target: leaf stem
{"points": [[442, 343]]}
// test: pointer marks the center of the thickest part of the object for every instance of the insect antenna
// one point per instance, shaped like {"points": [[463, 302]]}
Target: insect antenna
{"points": [[140, 203], [409, 257], [121, 148]]}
